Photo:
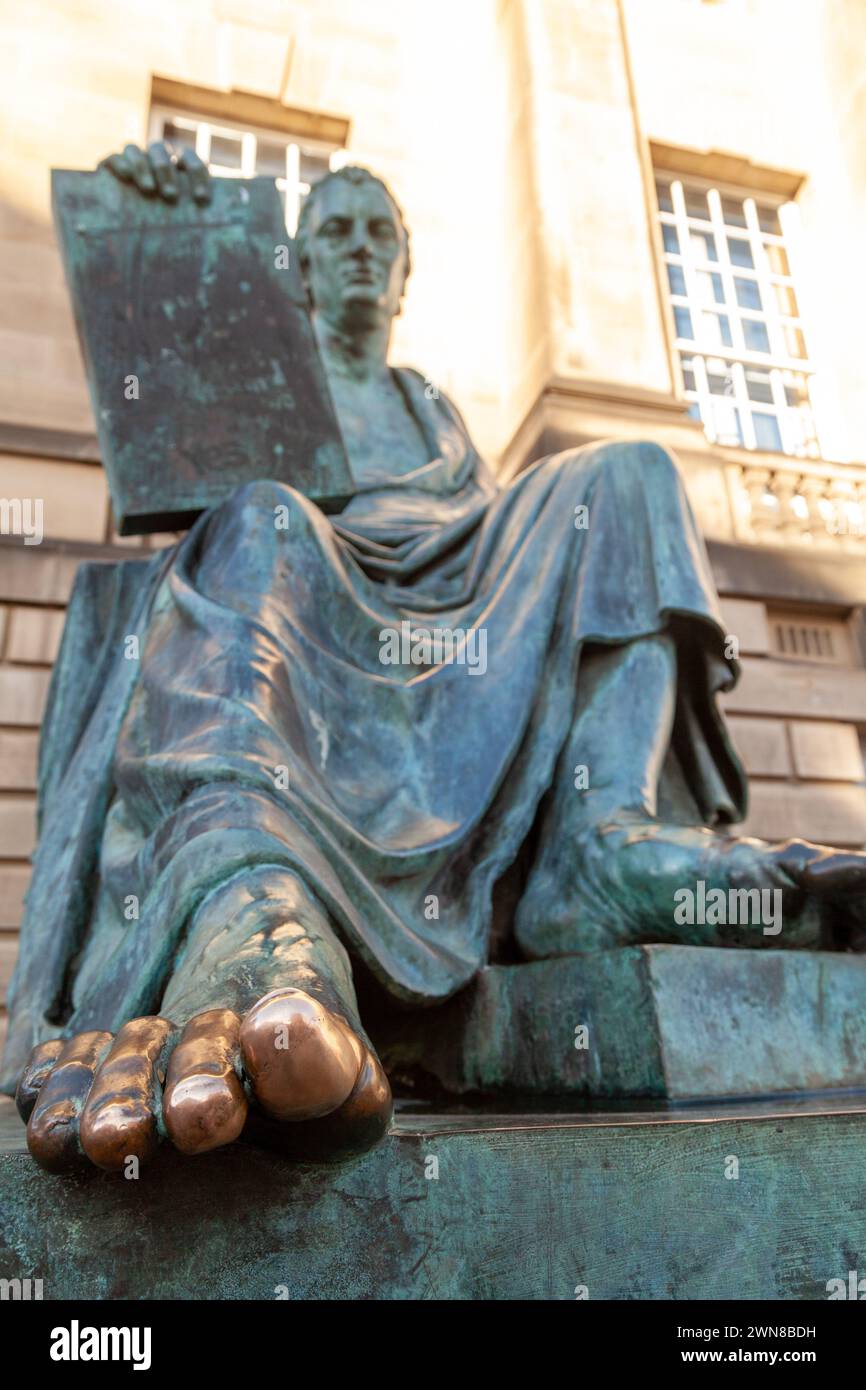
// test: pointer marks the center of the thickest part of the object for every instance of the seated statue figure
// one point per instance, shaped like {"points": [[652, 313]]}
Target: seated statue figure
{"points": [[339, 734]]}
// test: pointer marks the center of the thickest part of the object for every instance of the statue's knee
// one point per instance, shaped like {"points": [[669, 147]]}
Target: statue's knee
{"points": [[641, 455], [644, 459], [264, 494], [654, 459], [265, 501]]}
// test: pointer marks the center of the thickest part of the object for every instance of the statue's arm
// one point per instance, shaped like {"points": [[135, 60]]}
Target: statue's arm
{"points": [[154, 171]]}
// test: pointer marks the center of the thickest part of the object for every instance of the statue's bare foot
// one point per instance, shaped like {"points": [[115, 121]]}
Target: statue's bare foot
{"points": [[626, 880], [288, 1060]]}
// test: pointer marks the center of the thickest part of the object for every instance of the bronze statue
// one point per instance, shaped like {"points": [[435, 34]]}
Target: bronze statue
{"points": [[341, 732]]}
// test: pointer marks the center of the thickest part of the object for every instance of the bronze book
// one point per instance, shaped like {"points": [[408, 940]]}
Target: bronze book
{"points": [[200, 355]]}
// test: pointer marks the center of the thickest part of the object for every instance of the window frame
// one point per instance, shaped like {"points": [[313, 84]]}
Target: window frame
{"points": [[798, 438]]}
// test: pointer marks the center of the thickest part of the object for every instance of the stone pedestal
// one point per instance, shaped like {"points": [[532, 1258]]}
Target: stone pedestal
{"points": [[657, 1200], [673, 1022], [742, 1202]]}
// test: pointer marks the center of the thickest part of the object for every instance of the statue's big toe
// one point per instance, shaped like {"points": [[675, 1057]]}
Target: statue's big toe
{"points": [[355, 1125], [302, 1060]]}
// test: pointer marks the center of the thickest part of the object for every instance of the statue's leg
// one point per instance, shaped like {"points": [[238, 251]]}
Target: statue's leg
{"points": [[607, 870], [258, 1031]]}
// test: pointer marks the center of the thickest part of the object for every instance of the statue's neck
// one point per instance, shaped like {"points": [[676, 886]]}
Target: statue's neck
{"points": [[357, 354]]}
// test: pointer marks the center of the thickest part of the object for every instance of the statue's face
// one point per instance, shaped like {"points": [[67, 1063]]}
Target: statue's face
{"points": [[356, 252]]}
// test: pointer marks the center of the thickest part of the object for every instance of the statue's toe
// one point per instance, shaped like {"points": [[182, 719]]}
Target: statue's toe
{"points": [[837, 872], [204, 1105], [52, 1130], [97, 1098], [119, 1120], [355, 1126], [39, 1066], [303, 1061], [363, 1118]]}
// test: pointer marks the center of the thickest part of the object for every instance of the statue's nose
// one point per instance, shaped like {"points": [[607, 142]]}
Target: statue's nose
{"points": [[360, 243]]}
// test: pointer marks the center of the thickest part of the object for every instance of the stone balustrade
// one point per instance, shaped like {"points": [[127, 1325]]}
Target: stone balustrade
{"points": [[796, 502]]}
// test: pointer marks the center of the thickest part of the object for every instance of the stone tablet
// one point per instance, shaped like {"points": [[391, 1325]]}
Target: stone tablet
{"points": [[200, 355]]}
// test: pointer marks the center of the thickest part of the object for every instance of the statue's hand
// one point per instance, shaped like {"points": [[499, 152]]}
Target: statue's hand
{"points": [[155, 171]]}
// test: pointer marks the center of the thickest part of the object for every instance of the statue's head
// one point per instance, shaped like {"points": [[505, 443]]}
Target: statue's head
{"points": [[353, 248]]}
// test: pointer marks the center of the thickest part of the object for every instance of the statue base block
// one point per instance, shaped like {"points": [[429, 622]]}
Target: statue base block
{"points": [[673, 1022], [740, 1202]]}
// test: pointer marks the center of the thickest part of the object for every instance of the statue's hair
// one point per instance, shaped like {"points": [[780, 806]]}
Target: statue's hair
{"points": [[354, 174]]}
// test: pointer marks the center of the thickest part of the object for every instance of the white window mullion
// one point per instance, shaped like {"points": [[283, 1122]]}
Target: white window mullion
{"points": [[681, 220], [789, 220], [689, 267], [765, 285], [705, 400], [725, 269], [248, 155], [741, 396], [293, 188], [777, 385], [202, 142]]}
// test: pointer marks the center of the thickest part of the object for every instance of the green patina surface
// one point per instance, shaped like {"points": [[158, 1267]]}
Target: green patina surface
{"points": [[631, 1207], [679, 1022]]}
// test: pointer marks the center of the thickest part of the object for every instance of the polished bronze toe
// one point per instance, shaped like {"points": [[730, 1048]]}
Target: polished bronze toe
{"points": [[33, 1077], [302, 1060], [52, 1130], [204, 1105], [119, 1120]]}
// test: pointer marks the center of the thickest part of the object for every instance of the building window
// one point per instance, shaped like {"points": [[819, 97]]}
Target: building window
{"points": [[739, 342], [231, 151]]}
